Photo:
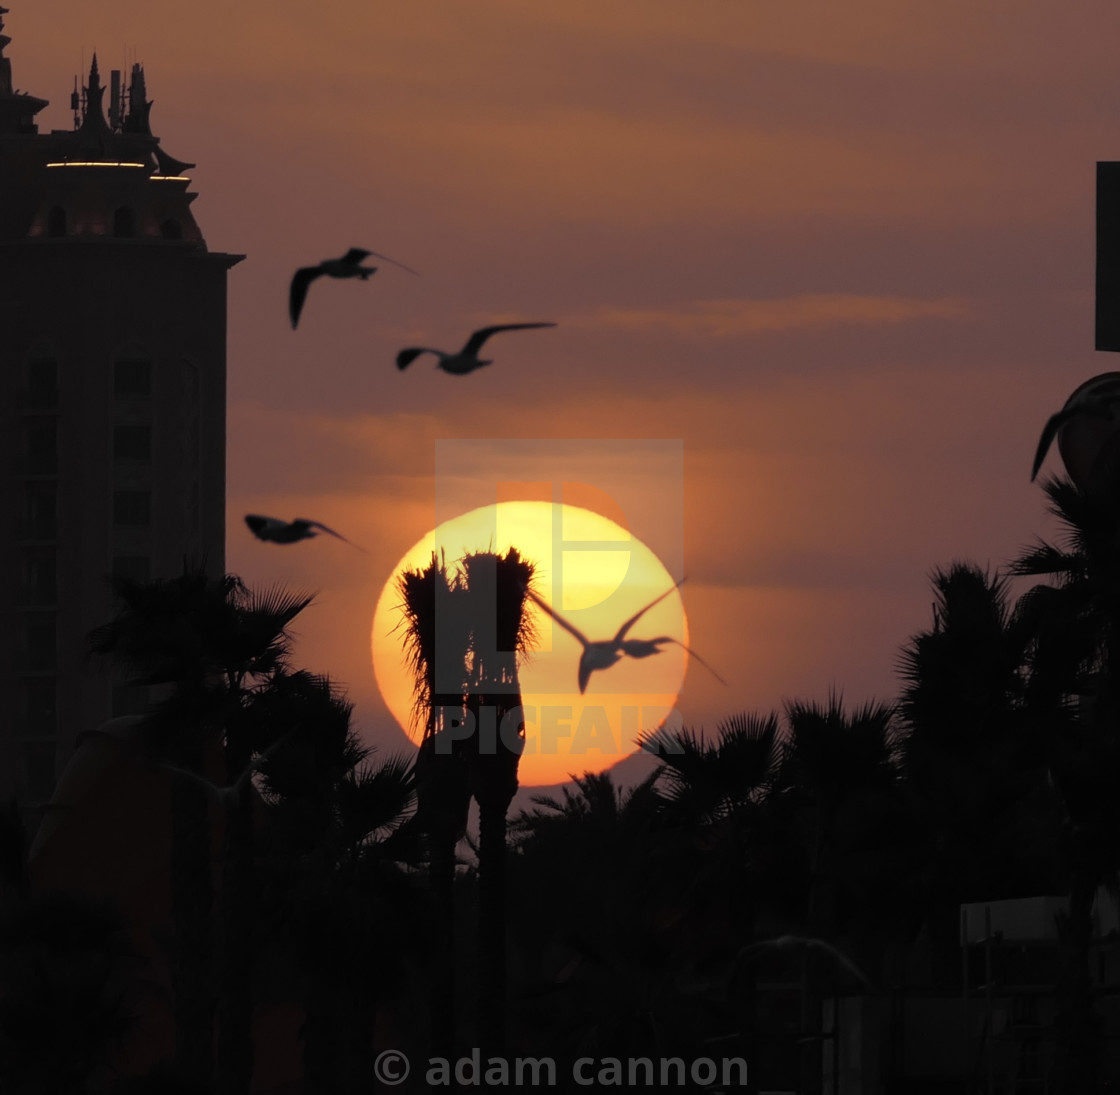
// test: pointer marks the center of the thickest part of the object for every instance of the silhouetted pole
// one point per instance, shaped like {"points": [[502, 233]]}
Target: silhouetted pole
{"points": [[1108, 257]]}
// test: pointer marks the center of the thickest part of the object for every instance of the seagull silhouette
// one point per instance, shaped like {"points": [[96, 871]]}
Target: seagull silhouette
{"points": [[467, 359], [288, 532], [603, 653], [1086, 400], [349, 266], [228, 796]]}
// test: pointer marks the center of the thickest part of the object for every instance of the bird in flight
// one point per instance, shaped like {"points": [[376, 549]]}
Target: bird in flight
{"points": [[229, 795], [288, 532], [603, 653], [349, 266], [1097, 398], [467, 359]]}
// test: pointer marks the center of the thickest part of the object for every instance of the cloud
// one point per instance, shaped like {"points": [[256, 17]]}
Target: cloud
{"points": [[721, 318]]}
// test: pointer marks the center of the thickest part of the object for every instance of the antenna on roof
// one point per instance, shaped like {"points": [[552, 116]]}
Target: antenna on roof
{"points": [[115, 99]]}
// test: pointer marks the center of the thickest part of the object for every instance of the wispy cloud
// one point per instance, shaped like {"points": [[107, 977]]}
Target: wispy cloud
{"points": [[737, 317]]}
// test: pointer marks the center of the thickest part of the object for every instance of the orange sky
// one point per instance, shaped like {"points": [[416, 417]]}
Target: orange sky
{"points": [[843, 251]]}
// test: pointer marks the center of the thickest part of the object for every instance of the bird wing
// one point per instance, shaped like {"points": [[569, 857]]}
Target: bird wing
{"points": [[356, 254], [585, 670], [565, 625], [638, 615], [261, 526], [308, 523], [301, 279], [378, 255], [689, 650], [474, 343], [320, 525], [407, 357]]}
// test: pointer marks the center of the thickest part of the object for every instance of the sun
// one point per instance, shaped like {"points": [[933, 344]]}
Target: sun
{"points": [[596, 575]]}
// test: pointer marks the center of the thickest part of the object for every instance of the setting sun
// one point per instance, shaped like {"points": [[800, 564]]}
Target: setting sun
{"points": [[597, 575]]}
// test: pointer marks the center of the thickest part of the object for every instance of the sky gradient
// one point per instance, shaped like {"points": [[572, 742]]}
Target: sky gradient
{"points": [[843, 252]]}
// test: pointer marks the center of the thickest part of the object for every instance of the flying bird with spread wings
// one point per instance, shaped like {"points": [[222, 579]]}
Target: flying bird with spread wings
{"points": [[349, 266], [273, 530], [467, 359], [603, 653]]}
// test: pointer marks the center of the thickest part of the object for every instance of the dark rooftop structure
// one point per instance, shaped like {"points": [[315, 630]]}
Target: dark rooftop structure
{"points": [[112, 400]]}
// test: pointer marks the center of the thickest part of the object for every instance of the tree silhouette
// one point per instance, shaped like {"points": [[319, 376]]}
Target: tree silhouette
{"points": [[437, 642], [69, 980], [334, 896], [835, 765], [1074, 685], [464, 633], [211, 644], [496, 587]]}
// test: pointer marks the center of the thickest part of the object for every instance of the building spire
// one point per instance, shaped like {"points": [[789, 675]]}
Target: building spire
{"points": [[139, 107], [93, 119]]}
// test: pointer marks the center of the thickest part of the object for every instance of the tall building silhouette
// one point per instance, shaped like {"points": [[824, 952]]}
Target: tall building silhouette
{"points": [[112, 392]]}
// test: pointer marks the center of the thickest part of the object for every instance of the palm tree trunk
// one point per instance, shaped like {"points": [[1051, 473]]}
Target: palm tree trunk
{"points": [[442, 979], [811, 1056], [492, 928], [235, 1006], [320, 1024], [192, 895]]}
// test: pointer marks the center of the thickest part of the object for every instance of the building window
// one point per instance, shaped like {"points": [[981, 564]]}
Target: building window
{"points": [[40, 520], [38, 706], [40, 446], [132, 377], [171, 230], [39, 576], [41, 392], [132, 508], [132, 442], [56, 221], [124, 222], [133, 568], [39, 647]]}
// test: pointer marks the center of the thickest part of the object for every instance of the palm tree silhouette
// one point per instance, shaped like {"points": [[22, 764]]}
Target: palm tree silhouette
{"points": [[69, 978], [436, 636], [213, 641], [598, 891], [832, 761], [464, 633], [500, 634], [1073, 686], [335, 880], [230, 796]]}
